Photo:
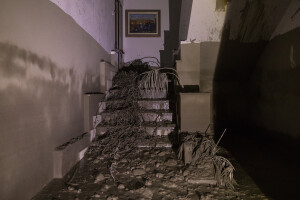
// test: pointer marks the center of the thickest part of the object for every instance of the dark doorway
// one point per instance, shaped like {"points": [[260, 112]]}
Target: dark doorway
{"points": [[119, 32]]}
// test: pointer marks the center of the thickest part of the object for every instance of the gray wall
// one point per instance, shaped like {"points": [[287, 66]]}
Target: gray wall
{"points": [[252, 74], [47, 62], [276, 86]]}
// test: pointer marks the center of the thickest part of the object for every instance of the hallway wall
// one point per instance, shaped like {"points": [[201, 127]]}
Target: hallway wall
{"points": [[138, 47], [47, 63], [245, 36], [94, 16], [276, 79]]}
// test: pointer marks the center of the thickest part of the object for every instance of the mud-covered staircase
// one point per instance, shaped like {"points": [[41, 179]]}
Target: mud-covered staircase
{"points": [[156, 117], [153, 114]]}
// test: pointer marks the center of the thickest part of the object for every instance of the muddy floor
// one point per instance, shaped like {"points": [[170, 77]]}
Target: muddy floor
{"points": [[145, 173]]}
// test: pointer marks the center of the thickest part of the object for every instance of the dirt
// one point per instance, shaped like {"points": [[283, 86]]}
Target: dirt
{"points": [[144, 173]]}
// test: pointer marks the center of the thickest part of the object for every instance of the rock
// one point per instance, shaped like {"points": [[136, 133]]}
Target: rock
{"points": [[148, 169], [121, 187], [169, 184], [186, 173], [138, 172], [148, 183], [96, 195], [112, 198], [162, 153], [70, 188], [202, 181], [100, 177], [162, 192], [159, 175], [142, 166], [124, 160], [106, 187], [147, 193], [157, 164], [176, 178], [146, 153], [96, 161], [171, 162]]}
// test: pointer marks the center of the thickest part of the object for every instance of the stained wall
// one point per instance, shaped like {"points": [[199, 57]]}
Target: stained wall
{"points": [[47, 63]]}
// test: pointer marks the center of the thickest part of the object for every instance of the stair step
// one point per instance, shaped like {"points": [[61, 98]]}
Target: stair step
{"points": [[143, 104], [147, 116], [160, 130], [160, 142]]}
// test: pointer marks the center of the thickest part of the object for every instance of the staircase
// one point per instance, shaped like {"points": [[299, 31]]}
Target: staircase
{"points": [[155, 115]]}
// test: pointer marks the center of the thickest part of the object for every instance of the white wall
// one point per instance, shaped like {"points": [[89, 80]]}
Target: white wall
{"points": [[47, 63], [206, 22], [95, 16], [138, 47]]}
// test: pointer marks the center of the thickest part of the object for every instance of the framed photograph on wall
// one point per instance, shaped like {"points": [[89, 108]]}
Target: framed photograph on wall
{"points": [[142, 23]]}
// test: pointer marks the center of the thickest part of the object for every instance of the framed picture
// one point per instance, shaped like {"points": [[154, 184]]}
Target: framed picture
{"points": [[142, 23]]}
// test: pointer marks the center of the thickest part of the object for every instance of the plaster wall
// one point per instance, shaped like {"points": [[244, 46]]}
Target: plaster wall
{"points": [[276, 94], [96, 17], [47, 63], [200, 50], [138, 47], [252, 74], [206, 21]]}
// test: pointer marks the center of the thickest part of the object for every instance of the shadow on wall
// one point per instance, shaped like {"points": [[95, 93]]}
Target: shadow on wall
{"points": [[41, 107], [256, 93], [231, 86]]}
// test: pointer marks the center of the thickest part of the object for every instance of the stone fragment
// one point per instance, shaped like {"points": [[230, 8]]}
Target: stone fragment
{"points": [[186, 173], [112, 198], [159, 175], [147, 192], [106, 187], [121, 187], [148, 183], [162, 153], [169, 184], [138, 172], [100, 177], [202, 181], [96, 161], [171, 162]]}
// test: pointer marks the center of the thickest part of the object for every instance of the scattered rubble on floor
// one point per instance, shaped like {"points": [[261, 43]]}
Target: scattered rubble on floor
{"points": [[114, 167], [144, 173]]}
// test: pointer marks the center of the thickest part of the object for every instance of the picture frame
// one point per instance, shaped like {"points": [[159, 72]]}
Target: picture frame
{"points": [[142, 23]]}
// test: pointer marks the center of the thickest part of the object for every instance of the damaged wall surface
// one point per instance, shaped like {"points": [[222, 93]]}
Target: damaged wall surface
{"points": [[138, 47], [95, 17], [47, 63], [206, 21]]}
